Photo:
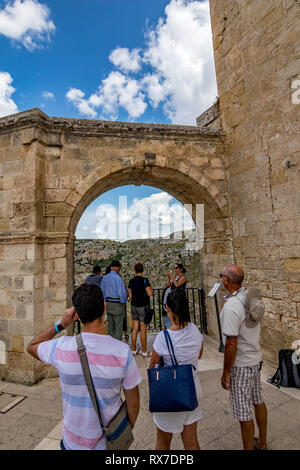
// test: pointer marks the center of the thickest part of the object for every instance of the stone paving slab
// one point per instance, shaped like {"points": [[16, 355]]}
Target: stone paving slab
{"points": [[48, 444], [38, 391], [17, 440], [42, 408]]}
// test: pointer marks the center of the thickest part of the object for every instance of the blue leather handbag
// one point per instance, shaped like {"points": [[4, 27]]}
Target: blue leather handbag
{"points": [[172, 388]]}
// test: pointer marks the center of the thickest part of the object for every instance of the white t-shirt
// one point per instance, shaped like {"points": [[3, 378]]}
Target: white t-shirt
{"points": [[233, 321], [187, 344]]}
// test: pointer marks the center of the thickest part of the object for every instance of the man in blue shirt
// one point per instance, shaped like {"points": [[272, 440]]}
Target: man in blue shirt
{"points": [[115, 296]]}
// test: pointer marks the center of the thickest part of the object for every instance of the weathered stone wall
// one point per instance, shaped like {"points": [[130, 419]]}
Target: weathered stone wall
{"points": [[257, 56], [51, 169]]}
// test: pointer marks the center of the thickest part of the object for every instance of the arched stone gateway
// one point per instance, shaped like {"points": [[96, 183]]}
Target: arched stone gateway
{"points": [[52, 170], [247, 176]]}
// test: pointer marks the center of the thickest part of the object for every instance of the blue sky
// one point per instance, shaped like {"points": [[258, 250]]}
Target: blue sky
{"points": [[130, 60], [126, 60]]}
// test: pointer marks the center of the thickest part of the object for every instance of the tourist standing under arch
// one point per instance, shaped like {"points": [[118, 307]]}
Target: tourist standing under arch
{"points": [[139, 292], [188, 347], [178, 282], [115, 296]]}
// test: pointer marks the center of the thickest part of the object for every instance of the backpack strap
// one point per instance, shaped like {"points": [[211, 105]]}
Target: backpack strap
{"points": [[236, 296], [276, 379]]}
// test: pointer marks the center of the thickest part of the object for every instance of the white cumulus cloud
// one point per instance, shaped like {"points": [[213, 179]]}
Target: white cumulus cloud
{"points": [[77, 98], [48, 95], [154, 216], [7, 105], [179, 53], [126, 60], [116, 91], [26, 21]]}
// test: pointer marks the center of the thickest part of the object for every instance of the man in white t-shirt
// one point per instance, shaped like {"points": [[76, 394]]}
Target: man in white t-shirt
{"points": [[111, 364], [242, 361]]}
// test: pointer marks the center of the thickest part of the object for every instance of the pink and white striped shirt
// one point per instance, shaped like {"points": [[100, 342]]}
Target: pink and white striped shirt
{"points": [[112, 366]]}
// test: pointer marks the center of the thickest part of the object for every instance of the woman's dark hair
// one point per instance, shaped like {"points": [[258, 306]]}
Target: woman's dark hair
{"points": [[179, 305], [96, 269], [107, 270], [88, 302], [139, 268], [180, 266]]}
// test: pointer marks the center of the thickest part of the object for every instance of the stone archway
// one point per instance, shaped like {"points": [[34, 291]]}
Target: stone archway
{"points": [[183, 188], [55, 168]]}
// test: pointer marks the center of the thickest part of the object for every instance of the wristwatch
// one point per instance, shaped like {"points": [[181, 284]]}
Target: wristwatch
{"points": [[58, 326]]}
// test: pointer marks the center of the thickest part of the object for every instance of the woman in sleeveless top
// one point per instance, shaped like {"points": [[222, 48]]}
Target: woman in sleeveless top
{"points": [[177, 282], [188, 347]]}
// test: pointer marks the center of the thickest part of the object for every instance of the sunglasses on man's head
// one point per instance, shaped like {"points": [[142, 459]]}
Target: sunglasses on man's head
{"points": [[222, 275]]}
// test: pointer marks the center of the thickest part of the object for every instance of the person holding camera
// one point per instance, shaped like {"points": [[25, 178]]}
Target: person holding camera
{"points": [[111, 365]]}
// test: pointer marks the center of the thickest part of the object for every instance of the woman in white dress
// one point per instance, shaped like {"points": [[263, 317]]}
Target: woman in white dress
{"points": [[188, 347]]}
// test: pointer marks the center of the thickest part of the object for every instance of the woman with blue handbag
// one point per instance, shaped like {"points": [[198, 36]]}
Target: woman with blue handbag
{"points": [[179, 348]]}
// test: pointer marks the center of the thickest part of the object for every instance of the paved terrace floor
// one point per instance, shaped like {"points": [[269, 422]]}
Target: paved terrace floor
{"points": [[36, 422]]}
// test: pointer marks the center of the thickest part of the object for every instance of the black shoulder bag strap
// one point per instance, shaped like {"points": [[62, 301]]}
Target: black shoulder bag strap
{"points": [[148, 298], [88, 377], [170, 348]]}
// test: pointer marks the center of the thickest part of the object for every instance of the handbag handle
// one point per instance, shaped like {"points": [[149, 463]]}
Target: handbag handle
{"points": [[88, 377], [170, 347]]}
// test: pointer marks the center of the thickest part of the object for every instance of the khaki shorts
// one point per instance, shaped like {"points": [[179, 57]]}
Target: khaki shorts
{"points": [[138, 313], [245, 391]]}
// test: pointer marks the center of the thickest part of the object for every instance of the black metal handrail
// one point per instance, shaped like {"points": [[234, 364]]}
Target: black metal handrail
{"points": [[196, 300]]}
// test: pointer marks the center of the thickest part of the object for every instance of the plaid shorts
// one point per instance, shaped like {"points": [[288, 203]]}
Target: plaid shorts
{"points": [[245, 391]]}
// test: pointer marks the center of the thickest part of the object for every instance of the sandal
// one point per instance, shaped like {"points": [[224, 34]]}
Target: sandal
{"points": [[255, 445], [146, 354], [134, 353]]}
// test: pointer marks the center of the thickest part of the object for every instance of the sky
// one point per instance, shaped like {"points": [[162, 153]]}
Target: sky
{"points": [[131, 212], [125, 60]]}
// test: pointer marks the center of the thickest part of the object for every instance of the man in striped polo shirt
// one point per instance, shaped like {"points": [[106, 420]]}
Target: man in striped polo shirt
{"points": [[111, 364]]}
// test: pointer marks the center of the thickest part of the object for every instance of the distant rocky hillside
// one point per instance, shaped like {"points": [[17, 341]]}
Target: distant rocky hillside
{"points": [[157, 256]]}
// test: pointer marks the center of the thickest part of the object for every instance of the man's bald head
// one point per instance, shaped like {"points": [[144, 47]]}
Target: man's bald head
{"points": [[234, 273]]}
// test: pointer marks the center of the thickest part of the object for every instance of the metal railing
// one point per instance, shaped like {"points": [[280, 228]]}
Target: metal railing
{"points": [[196, 300]]}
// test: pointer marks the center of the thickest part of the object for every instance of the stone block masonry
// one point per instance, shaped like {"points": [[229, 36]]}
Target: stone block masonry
{"points": [[256, 47]]}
